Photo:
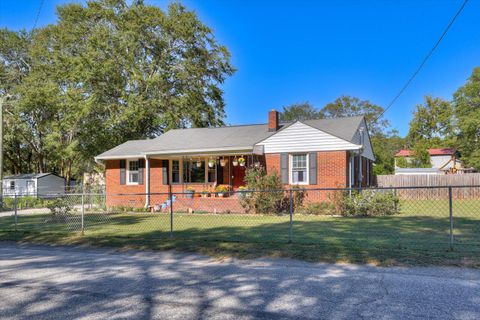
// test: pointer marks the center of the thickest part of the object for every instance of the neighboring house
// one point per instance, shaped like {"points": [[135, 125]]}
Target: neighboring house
{"points": [[33, 184], [443, 161], [314, 153]]}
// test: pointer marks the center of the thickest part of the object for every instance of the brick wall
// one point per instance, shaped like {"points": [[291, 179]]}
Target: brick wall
{"points": [[332, 172], [332, 168]]}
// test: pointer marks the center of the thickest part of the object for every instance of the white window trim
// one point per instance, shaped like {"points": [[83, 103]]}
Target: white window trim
{"points": [[127, 171], [180, 171], [290, 169]]}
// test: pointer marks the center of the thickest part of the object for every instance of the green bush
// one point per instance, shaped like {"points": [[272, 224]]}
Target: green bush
{"points": [[298, 195], [318, 208], [270, 199], [369, 203], [59, 207]]}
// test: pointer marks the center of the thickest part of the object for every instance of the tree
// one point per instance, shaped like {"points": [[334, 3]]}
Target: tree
{"points": [[432, 121], [385, 146], [105, 73], [299, 111], [466, 102], [346, 106]]}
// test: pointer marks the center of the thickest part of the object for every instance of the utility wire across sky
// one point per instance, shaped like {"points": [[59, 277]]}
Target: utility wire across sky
{"points": [[424, 61]]}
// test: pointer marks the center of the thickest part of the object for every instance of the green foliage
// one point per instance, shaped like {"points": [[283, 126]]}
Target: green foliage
{"points": [[269, 202], [104, 73], [24, 202], [298, 197], [346, 106], [299, 111], [318, 208], [368, 203], [432, 122], [466, 101], [385, 146], [59, 207]]}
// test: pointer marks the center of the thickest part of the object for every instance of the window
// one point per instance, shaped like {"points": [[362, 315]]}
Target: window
{"points": [[194, 171], [12, 185], [299, 169], [175, 171], [132, 172]]}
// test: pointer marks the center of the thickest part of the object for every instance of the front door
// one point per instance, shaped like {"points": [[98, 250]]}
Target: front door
{"points": [[238, 175]]}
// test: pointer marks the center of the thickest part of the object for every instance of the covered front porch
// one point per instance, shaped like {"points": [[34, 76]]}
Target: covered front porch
{"points": [[202, 174]]}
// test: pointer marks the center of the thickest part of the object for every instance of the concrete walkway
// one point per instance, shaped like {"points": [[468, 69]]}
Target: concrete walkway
{"points": [[39, 282]]}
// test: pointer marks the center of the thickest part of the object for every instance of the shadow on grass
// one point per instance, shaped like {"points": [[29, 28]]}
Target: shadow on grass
{"points": [[383, 240]]}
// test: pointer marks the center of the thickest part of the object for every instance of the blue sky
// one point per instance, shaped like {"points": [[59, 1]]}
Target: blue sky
{"points": [[295, 51]]}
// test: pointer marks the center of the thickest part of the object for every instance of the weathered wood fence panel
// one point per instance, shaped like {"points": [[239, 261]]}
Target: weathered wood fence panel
{"points": [[472, 179]]}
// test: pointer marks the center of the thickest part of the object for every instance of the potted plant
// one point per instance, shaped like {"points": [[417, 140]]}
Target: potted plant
{"points": [[235, 162], [221, 190], [242, 192], [211, 163], [241, 161], [205, 193], [190, 192], [223, 162]]}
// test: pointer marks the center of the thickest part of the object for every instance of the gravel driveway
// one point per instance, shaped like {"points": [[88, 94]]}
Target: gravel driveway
{"points": [[39, 282]]}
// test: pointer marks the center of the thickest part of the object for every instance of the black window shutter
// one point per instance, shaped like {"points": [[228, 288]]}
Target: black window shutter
{"points": [[141, 171], [312, 168], [284, 167], [165, 172], [123, 173]]}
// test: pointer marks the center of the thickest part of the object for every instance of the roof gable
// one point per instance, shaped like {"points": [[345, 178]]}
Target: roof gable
{"points": [[300, 137]]}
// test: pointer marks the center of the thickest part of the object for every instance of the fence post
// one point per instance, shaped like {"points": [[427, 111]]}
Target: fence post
{"points": [[171, 212], [291, 217], [450, 209], [395, 203], [15, 209], [83, 211]]}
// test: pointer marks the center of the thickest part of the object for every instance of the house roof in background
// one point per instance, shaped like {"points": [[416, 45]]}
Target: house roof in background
{"points": [[29, 175], [432, 152], [241, 137]]}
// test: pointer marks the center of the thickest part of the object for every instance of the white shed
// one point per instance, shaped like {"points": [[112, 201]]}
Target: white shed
{"points": [[33, 184]]}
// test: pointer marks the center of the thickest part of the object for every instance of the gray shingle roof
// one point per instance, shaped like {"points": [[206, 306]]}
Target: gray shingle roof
{"points": [[242, 137], [344, 128], [28, 176]]}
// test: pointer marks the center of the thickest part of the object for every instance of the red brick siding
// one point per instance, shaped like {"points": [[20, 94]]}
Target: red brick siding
{"points": [[332, 172]]}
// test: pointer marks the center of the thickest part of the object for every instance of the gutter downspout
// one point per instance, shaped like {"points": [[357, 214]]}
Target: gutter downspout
{"points": [[147, 182]]}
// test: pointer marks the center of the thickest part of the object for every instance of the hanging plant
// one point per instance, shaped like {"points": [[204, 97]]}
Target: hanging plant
{"points": [[223, 162], [211, 163], [235, 162], [199, 163], [241, 161]]}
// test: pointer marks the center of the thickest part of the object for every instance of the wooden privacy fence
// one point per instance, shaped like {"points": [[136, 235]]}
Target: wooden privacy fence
{"points": [[458, 182]]}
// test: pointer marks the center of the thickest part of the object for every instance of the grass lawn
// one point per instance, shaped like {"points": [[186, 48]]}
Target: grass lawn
{"points": [[420, 235]]}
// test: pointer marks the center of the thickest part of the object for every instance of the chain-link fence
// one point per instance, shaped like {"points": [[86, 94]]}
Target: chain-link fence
{"points": [[423, 218]]}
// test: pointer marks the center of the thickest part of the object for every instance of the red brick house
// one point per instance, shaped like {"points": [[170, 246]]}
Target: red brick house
{"points": [[325, 153]]}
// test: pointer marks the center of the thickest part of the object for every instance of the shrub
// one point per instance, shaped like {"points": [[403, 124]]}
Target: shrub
{"points": [[319, 208], [270, 199], [298, 196], [59, 207], [369, 203]]}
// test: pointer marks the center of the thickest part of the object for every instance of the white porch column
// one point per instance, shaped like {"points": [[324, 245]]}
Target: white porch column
{"points": [[147, 182]]}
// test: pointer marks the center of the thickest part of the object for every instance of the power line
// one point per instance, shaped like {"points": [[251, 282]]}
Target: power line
{"points": [[38, 15], [430, 53]]}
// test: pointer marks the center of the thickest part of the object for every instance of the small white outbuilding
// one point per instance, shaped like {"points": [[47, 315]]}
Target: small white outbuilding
{"points": [[33, 184]]}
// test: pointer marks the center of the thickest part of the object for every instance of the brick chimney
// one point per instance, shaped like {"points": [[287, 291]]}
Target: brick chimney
{"points": [[273, 123]]}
